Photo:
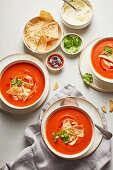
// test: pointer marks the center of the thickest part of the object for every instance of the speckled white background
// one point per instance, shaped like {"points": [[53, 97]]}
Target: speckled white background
{"points": [[13, 16]]}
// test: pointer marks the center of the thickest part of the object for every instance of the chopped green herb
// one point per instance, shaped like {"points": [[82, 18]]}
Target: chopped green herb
{"points": [[88, 78], [107, 50], [55, 136], [68, 41], [64, 136], [72, 44], [77, 41], [13, 82], [16, 81]]}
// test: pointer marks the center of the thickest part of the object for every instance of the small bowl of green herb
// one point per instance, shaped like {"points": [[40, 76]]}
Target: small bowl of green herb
{"points": [[72, 43]]}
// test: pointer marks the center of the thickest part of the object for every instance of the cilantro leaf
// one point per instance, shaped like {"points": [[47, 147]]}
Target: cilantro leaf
{"points": [[68, 41], [77, 41], [64, 136], [19, 82], [13, 82], [66, 140], [55, 136], [107, 50], [88, 78], [16, 81]]}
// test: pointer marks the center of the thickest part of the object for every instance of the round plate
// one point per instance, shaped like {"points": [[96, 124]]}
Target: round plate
{"points": [[14, 57], [54, 44], [85, 68], [93, 113]]}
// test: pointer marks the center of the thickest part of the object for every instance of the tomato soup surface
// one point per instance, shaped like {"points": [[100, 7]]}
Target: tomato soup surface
{"points": [[31, 78], [101, 67], [54, 124]]}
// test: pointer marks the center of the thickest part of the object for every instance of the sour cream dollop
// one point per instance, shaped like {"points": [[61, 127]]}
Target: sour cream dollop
{"points": [[80, 16]]}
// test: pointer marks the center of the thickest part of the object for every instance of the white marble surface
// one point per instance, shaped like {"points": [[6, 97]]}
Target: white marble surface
{"points": [[13, 16]]}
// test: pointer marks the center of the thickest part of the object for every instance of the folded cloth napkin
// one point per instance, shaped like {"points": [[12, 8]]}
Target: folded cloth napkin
{"points": [[38, 157]]}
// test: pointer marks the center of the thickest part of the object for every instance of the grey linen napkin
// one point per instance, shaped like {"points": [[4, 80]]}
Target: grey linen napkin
{"points": [[38, 157]]}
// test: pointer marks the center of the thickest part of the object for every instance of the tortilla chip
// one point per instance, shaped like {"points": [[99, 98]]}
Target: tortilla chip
{"points": [[55, 86], [31, 43], [49, 45], [51, 31], [103, 108], [46, 16], [14, 91], [109, 58], [42, 44], [110, 105]]}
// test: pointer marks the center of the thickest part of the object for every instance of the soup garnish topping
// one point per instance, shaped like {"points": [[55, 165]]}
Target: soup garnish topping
{"points": [[65, 137], [107, 50], [22, 86], [55, 136], [106, 59], [70, 131]]}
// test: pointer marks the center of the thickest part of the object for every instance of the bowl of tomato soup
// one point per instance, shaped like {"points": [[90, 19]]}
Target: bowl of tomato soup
{"points": [[101, 60], [68, 131], [22, 84]]}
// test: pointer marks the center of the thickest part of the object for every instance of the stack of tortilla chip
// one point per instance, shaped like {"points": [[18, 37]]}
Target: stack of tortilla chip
{"points": [[39, 35]]}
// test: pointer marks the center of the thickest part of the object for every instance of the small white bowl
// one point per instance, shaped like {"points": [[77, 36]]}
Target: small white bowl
{"points": [[92, 68], [22, 61], [54, 69], [65, 156], [62, 44], [73, 26], [55, 43]]}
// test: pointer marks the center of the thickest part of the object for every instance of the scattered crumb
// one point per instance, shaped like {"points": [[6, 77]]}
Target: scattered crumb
{"points": [[103, 108], [106, 102], [55, 86], [110, 105]]}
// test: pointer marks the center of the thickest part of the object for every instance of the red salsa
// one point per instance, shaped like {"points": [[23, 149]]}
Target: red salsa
{"points": [[55, 61]]}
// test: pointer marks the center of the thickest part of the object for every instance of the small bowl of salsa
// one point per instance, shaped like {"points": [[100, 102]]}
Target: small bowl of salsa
{"points": [[55, 61]]}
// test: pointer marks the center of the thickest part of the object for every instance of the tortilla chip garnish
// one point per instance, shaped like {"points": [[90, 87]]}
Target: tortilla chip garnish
{"points": [[55, 86], [103, 108], [46, 16], [110, 105], [42, 44], [51, 31]]}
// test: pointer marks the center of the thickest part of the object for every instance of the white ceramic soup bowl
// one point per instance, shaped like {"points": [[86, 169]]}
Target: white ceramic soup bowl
{"points": [[43, 132], [91, 65], [74, 26], [34, 62]]}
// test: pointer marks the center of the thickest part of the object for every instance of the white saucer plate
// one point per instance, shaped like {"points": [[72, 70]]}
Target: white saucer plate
{"points": [[84, 67], [15, 57], [93, 113]]}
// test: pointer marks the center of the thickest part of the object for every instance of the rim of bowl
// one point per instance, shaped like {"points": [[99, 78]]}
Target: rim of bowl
{"points": [[92, 68], [25, 107], [78, 26], [81, 46], [45, 52], [54, 69], [66, 156]]}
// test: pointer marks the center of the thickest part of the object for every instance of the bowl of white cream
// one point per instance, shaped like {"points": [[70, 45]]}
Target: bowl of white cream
{"points": [[79, 18]]}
